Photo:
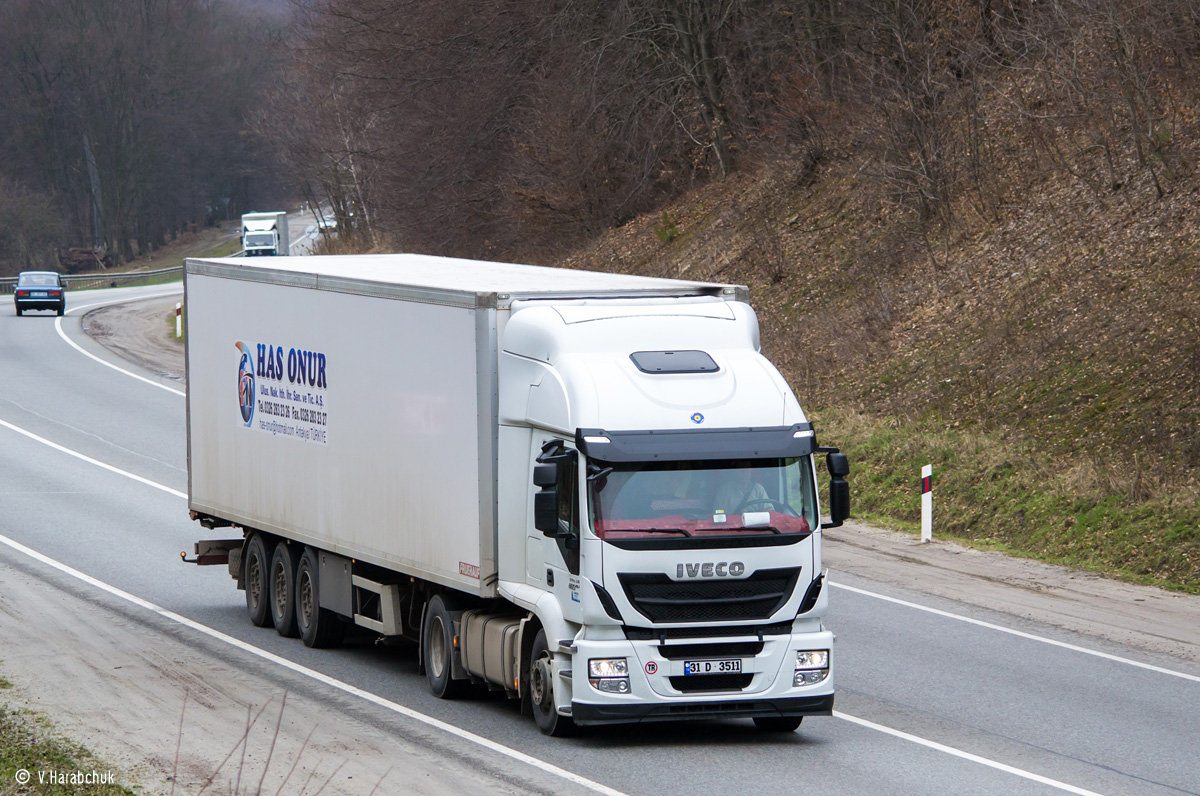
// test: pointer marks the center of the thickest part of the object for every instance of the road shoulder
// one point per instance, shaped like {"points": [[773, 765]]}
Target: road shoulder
{"points": [[137, 691]]}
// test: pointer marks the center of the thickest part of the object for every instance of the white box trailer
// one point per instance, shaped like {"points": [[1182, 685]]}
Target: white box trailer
{"points": [[446, 450]]}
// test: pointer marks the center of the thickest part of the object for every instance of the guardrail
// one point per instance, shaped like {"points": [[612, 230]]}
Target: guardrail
{"points": [[101, 280]]}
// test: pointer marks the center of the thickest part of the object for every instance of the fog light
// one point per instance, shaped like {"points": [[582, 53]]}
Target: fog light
{"points": [[608, 667], [809, 678], [610, 685]]}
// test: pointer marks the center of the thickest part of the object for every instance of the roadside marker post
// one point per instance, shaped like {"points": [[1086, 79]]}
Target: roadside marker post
{"points": [[927, 503], [178, 319]]}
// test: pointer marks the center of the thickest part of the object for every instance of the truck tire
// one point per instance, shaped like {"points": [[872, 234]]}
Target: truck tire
{"points": [[778, 723], [437, 650], [541, 691], [255, 566], [319, 627], [283, 591]]}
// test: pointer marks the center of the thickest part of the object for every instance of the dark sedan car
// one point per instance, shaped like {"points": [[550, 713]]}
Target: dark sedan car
{"points": [[40, 290]]}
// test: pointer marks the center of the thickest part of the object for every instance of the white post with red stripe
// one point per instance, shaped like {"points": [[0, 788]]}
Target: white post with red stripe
{"points": [[178, 319], [927, 503]]}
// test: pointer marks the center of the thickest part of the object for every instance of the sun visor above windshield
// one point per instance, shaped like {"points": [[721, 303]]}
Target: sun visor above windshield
{"points": [[673, 445]]}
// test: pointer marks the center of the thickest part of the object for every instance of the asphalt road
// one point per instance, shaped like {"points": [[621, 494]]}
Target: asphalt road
{"points": [[927, 703]]}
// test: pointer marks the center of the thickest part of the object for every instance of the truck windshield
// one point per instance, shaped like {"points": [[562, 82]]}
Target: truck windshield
{"points": [[260, 239], [702, 498]]}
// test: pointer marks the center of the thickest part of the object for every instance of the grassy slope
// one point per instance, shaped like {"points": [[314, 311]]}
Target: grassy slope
{"points": [[1046, 361], [28, 742]]}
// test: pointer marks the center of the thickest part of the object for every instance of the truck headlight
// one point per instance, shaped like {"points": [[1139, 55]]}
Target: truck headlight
{"points": [[610, 675], [812, 666], [608, 667]]}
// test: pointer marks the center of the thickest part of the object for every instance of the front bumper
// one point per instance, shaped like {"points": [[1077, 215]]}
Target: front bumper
{"points": [[659, 690], [586, 714]]}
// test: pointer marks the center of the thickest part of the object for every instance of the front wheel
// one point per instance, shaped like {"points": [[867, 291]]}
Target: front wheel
{"points": [[437, 650], [778, 723], [541, 691]]}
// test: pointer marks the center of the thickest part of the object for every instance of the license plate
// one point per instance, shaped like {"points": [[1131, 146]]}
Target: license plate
{"points": [[728, 666], [41, 294]]}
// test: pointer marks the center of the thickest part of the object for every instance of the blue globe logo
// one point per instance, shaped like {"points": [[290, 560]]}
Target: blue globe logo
{"points": [[246, 384]]}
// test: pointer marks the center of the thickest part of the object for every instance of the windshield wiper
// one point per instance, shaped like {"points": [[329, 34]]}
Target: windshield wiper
{"points": [[650, 530]]}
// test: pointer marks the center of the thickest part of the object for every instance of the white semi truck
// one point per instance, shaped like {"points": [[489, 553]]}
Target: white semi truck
{"points": [[589, 491], [265, 234]]}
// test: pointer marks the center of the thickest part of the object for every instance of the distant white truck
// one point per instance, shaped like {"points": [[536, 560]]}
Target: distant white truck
{"points": [[587, 491], [265, 234]]}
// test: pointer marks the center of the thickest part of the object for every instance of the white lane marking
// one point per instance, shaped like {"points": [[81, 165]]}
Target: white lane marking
{"points": [[950, 750], [1022, 634], [450, 728], [95, 462], [318, 676], [73, 344], [96, 437]]}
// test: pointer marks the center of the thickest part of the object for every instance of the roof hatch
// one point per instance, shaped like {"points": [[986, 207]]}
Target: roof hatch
{"points": [[674, 362]]}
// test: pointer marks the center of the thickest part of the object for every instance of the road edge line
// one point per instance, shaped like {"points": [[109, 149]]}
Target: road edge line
{"points": [[950, 750], [77, 347], [1019, 633]]}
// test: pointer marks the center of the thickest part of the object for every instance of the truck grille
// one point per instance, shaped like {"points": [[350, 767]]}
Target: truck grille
{"points": [[660, 599]]}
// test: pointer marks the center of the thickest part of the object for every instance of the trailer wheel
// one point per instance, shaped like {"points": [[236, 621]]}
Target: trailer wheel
{"points": [[778, 723], [319, 627], [283, 590], [254, 575], [541, 690], [437, 650]]}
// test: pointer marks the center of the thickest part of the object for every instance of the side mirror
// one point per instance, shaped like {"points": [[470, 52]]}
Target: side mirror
{"points": [[545, 476], [839, 490]]}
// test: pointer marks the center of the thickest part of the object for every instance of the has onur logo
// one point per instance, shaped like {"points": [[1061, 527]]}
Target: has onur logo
{"points": [[246, 383]]}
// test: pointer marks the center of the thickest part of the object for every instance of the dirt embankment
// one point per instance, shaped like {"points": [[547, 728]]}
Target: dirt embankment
{"points": [[141, 332]]}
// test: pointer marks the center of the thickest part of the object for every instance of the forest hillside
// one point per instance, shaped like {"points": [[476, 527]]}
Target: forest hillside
{"points": [[970, 227]]}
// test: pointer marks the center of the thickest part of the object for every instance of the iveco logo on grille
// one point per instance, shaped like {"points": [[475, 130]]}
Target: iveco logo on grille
{"points": [[710, 569]]}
